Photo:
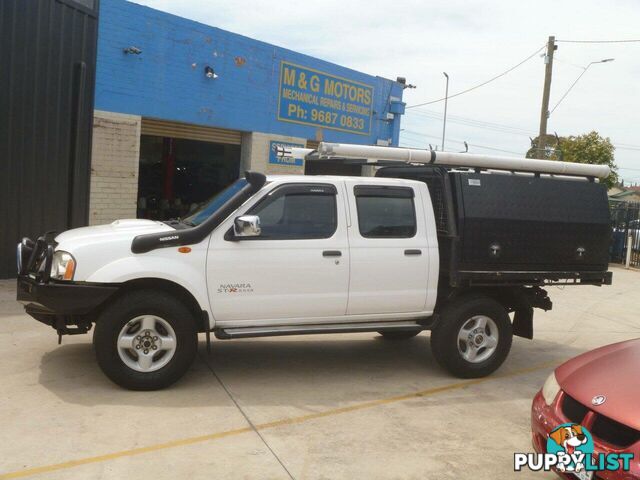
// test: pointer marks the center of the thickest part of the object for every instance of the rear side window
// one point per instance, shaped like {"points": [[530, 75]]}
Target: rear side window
{"points": [[385, 212], [298, 212]]}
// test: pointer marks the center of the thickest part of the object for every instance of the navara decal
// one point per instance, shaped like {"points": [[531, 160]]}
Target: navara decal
{"points": [[235, 288]]}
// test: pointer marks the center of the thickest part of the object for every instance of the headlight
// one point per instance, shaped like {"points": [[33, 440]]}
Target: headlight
{"points": [[550, 389], [63, 266]]}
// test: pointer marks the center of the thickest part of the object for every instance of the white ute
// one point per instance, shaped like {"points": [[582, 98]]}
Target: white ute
{"points": [[277, 255]]}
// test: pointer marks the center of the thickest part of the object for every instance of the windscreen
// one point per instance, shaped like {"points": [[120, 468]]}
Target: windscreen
{"points": [[214, 203]]}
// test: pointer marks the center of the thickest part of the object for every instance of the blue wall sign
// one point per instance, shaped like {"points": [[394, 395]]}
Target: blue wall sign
{"points": [[275, 160], [311, 97]]}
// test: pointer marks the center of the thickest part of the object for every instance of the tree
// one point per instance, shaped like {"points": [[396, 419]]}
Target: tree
{"points": [[551, 151], [587, 148]]}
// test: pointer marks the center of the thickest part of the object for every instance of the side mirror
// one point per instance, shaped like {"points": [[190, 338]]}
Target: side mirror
{"points": [[246, 226]]}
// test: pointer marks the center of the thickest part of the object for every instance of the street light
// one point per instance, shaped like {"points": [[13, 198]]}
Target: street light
{"points": [[446, 97], [584, 70]]}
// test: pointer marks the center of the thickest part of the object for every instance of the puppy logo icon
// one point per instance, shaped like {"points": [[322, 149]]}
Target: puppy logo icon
{"points": [[568, 441], [570, 448], [571, 443]]}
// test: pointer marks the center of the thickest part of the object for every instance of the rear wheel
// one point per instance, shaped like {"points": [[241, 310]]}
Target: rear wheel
{"points": [[145, 340], [473, 337], [399, 334]]}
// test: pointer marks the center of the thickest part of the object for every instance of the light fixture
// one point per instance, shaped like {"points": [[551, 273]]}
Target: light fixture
{"points": [[584, 70], [209, 73], [403, 81], [132, 50]]}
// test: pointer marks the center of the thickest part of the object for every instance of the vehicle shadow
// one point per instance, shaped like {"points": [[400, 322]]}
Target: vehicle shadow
{"points": [[302, 371], [71, 373]]}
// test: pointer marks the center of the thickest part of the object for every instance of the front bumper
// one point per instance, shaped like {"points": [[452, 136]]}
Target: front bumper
{"points": [[49, 298], [545, 418]]}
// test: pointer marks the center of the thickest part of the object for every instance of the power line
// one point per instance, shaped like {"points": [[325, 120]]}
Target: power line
{"points": [[457, 141], [498, 127], [557, 59], [627, 146], [483, 83], [600, 41], [431, 113], [475, 123]]}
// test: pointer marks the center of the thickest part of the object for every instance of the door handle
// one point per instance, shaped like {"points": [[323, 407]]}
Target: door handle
{"points": [[413, 252], [332, 253]]}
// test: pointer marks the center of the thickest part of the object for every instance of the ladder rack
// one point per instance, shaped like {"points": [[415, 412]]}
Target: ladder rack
{"points": [[368, 154]]}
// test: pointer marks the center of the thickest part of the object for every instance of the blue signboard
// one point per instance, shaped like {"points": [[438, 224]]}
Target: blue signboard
{"points": [[312, 97], [275, 160]]}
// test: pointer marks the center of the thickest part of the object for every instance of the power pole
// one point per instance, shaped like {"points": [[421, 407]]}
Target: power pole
{"points": [[544, 111]]}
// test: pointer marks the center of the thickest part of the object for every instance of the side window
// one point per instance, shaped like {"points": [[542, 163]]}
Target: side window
{"points": [[385, 212], [298, 212]]}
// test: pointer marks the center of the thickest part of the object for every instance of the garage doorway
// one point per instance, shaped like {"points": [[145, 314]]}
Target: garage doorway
{"points": [[177, 174]]}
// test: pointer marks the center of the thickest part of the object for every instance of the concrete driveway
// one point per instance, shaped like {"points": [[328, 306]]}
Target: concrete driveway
{"points": [[317, 407]]}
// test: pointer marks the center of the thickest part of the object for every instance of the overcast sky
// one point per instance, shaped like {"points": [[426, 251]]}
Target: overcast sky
{"points": [[472, 42]]}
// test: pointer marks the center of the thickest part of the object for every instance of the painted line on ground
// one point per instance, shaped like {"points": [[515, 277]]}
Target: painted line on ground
{"points": [[263, 426]]}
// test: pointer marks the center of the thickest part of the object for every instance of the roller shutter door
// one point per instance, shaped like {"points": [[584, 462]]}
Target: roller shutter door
{"points": [[163, 128]]}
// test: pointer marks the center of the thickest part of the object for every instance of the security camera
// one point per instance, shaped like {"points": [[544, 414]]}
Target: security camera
{"points": [[209, 73], [132, 50]]}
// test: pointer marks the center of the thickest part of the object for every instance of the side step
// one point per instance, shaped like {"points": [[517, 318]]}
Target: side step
{"points": [[248, 332]]}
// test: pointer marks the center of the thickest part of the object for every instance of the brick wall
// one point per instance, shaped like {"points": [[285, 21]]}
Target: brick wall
{"points": [[114, 167]]}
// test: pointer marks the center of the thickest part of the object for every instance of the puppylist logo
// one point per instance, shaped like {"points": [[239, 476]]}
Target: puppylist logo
{"points": [[570, 449]]}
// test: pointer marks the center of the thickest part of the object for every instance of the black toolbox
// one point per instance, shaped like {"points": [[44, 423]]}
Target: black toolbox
{"points": [[527, 228]]}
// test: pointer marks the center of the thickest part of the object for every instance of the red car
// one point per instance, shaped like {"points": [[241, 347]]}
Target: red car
{"points": [[599, 390]]}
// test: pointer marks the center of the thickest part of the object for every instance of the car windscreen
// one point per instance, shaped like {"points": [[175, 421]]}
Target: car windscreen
{"points": [[205, 210]]}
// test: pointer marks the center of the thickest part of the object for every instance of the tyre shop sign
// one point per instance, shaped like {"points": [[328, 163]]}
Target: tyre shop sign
{"points": [[289, 161], [312, 97]]}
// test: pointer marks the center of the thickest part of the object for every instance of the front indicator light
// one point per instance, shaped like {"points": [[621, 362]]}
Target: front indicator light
{"points": [[63, 266]]}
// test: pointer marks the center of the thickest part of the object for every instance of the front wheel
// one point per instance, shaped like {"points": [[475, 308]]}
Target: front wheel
{"points": [[473, 337], [145, 340]]}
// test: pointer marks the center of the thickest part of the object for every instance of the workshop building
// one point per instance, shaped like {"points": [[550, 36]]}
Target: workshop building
{"points": [[182, 108]]}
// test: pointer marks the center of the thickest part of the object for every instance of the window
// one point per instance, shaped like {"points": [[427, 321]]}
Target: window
{"points": [[298, 212], [214, 204], [385, 212]]}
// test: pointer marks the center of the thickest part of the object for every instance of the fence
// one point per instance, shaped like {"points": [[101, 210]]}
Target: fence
{"points": [[625, 241]]}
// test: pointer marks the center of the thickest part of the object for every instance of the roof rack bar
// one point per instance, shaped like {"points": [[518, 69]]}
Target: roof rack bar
{"points": [[412, 155]]}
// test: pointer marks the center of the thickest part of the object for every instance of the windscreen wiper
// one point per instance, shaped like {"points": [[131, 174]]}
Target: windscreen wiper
{"points": [[178, 223]]}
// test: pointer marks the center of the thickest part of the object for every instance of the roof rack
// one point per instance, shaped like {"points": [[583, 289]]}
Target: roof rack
{"points": [[368, 154]]}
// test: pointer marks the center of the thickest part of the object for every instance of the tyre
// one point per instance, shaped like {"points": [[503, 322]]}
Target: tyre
{"points": [[473, 337], [145, 340], [399, 334]]}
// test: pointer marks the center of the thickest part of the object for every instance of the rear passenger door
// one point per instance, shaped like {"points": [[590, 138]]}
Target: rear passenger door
{"points": [[388, 248]]}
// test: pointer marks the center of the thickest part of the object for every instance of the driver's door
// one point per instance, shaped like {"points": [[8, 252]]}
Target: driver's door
{"points": [[297, 268]]}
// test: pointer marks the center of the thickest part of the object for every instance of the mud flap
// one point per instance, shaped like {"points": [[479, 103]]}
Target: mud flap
{"points": [[523, 322], [525, 301]]}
